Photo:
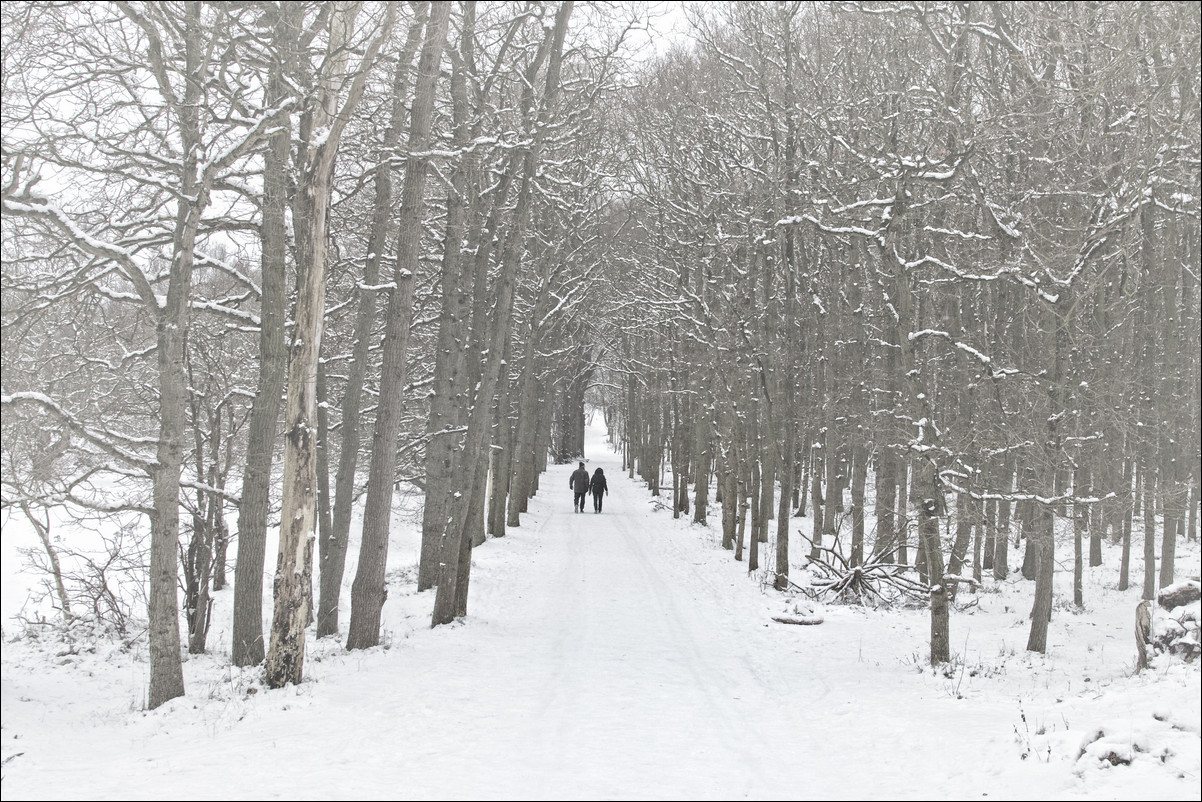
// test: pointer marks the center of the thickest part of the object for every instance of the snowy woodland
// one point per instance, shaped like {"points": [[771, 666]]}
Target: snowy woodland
{"points": [[882, 319]]}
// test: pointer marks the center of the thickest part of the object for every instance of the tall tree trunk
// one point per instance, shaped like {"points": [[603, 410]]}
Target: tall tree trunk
{"points": [[171, 332], [1045, 556], [1001, 554], [1080, 525], [1126, 502], [930, 504], [884, 547], [368, 591], [332, 551], [902, 518], [730, 502], [248, 647], [965, 513], [1168, 540], [298, 513], [500, 456], [859, 477], [1149, 510]]}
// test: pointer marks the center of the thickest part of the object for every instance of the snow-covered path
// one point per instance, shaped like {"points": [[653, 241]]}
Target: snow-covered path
{"points": [[620, 655]]}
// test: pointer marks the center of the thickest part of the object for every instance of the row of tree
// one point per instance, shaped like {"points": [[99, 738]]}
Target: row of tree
{"points": [[953, 243], [353, 233], [947, 248]]}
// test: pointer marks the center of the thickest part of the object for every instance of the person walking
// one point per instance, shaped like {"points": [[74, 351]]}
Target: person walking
{"points": [[598, 486], [579, 484]]}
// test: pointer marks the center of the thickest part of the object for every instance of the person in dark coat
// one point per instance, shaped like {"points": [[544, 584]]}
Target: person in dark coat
{"points": [[598, 487], [579, 484]]}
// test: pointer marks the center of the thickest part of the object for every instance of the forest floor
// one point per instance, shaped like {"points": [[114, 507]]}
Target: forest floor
{"points": [[619, 656]]}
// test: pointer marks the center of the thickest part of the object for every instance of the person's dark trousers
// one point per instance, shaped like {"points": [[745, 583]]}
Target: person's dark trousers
{"points": [[597, 502], [578, 504]]}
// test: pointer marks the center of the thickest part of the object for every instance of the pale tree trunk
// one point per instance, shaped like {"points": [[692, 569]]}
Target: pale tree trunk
{"points": [[1168, 546], [785, 413], [902, 516], [298, 513], [884, 547], [702, 444], [833, 497], [221, 537], [523, 450], [369, 588], [42, 527], [729, 480], [742, 499]]}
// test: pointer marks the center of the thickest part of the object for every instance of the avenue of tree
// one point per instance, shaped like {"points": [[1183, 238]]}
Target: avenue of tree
{"points": [[265, 262]]}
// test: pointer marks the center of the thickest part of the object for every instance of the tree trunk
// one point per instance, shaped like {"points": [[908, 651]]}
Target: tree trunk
{"points": [[332, 550], [298, 511], [1080, 524], [781, 578], [930, 504], [1149, 509], [859, 477], [1126, 501], [248, 647], [965, 513], [729, 503], [171, 332], [884, 546], [1045, 556], [1168, 543], [902, 518], [368, 591]]}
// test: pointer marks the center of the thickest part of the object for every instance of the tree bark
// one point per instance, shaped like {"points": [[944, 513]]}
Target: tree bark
{"points": [[248, 646], [292, 589], [332, 550], [368, 591]]}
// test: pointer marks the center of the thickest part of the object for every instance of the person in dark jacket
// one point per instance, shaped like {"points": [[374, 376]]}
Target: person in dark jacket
{"points": [[598, 487], [579, 484]]}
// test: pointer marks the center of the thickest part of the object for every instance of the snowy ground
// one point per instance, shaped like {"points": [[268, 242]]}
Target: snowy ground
{"points": [[623, 655]]}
